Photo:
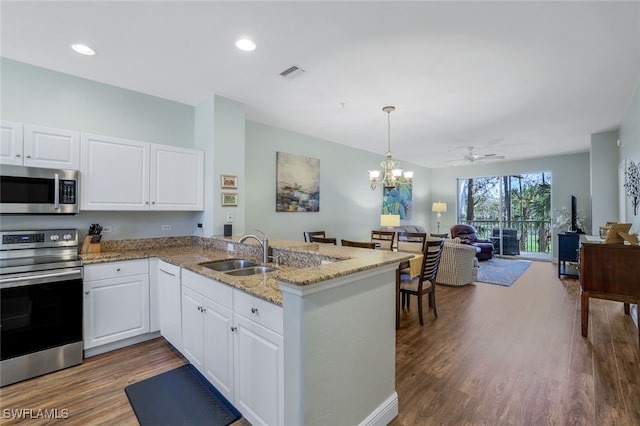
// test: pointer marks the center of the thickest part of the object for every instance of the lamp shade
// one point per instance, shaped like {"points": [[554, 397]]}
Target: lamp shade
{"points": [[390, 220], [439, 207]]}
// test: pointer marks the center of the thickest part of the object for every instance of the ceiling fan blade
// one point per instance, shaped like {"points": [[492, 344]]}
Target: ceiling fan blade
{"points": [[490, 157]]}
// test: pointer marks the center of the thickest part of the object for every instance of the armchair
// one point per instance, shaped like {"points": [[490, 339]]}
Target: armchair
{"points": [[468, 235], [459, 265]]}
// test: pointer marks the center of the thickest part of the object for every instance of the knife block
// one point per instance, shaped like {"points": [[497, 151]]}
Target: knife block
{"points": [[90, 248]]}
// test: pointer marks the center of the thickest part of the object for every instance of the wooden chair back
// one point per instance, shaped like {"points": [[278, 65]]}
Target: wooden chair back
{"points": [[384, 238], [412, 242], [322, 240], [431, 260], [308, 234], [361, 244]]}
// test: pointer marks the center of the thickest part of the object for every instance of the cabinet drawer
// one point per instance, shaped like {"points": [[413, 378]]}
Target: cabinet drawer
{"points": [[208, 287], [116, 269], [260, 311]]}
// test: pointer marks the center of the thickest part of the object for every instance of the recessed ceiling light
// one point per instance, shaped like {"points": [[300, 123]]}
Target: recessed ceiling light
{"points": [[245, 44], [83, 49]]}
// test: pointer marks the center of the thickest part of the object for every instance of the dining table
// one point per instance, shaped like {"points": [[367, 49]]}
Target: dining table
{"points": [[413, 267]]}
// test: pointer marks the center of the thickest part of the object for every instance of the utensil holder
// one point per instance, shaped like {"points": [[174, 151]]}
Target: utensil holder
{"points": [[90, 248]]}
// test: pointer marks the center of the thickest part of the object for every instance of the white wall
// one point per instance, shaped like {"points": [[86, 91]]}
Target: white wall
{"points": [[220, 124], [630, 146], [348, 208], [604, 180], [37, 95]]}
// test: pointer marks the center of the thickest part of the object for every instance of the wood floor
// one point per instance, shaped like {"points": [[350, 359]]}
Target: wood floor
{"points": [[495, 356]]}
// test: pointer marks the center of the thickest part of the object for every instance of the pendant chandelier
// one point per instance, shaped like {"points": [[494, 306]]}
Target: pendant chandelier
{"points": [[391, 173]]}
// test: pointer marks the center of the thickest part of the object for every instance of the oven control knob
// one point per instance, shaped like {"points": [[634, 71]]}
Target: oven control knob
{"points": [[67, 237], [54, 237]]}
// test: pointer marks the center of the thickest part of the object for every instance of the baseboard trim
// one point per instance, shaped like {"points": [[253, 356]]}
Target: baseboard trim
{"points": [[384, 414], [120, 344]]}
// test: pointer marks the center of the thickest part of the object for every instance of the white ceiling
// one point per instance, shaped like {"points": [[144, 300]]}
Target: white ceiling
{"points": [[519, 79]]}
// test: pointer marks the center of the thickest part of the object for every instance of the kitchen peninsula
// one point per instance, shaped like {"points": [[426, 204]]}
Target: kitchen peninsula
{"points": [[335, 312]]}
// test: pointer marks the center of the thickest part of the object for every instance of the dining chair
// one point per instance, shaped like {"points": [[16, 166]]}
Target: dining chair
{"points": [[384, 238], [361, 244], [425, 283], [308, 234], [322, 240], [412, 242]]}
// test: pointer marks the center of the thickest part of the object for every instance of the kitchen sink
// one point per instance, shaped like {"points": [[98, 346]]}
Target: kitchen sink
{"points": [[252, 270], [229, 264], [238, 267]]}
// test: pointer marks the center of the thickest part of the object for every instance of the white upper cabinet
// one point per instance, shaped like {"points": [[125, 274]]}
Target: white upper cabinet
{"points": [[11, 143], [39, 146], [114, 174], [177, 178], [120, 174]]}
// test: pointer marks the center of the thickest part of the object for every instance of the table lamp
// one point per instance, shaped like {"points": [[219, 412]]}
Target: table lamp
{"points": [[390, 220], [440, 208]]}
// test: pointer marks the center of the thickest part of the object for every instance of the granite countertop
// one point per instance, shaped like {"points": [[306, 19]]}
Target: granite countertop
{"points": [[307, 258]]}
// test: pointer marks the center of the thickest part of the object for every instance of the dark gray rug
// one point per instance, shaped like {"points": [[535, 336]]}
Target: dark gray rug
{"points": [[501, 271], [180, 397]]}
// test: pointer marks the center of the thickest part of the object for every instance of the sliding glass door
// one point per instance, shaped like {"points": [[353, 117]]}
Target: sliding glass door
{"points": [[513, 211]]}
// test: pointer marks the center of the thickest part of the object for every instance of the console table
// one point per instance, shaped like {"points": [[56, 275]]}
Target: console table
{"points": [[568, 252], [608, 271]]}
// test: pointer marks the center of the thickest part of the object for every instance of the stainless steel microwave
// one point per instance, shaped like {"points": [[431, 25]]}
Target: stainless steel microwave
{"points": [[33, 190]]}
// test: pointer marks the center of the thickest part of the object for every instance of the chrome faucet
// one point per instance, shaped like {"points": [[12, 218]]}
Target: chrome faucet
{"points": [[264, 242]]}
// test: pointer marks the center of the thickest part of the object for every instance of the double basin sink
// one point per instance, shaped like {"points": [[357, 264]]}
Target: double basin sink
{"points": [[237, 267]]}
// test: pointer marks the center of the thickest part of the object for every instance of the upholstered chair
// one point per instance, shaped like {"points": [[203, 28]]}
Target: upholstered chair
{"points": [[468, 235]]}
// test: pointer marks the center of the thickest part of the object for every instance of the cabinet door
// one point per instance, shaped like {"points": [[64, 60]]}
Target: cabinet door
{"points": [[177, 178], [258, 370], [114, 174], [11, 143], [218, 347], [115, 309], [193, 327], [51, 148], [170, 313]]}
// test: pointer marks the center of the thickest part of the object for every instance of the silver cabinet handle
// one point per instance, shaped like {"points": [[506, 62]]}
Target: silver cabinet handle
{"points": [[118, 270], [17, 155], [234, 329], [254, 310], [86, 292]]}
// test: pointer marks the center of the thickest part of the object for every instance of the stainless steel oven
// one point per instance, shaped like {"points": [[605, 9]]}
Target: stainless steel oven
{"points": [[41, 298], [32, 190]]}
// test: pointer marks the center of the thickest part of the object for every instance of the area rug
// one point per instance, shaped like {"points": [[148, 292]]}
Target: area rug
{"points": [[180, 397], [501, 271]]}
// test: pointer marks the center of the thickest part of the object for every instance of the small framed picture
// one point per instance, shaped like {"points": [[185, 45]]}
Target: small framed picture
{"points": [[229, 182], [229, 199]]}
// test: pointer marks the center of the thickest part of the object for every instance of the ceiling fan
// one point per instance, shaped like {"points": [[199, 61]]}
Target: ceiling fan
{"points": [[471, 158]]}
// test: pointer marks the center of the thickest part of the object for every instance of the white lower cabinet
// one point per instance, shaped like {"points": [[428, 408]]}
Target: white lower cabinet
{"points": [[236, 342], [207, 338], [169, 306], [258, 360], [116, 301]]}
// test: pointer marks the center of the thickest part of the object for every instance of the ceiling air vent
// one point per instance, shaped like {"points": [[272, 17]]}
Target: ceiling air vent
{"points": [[292, 72]]}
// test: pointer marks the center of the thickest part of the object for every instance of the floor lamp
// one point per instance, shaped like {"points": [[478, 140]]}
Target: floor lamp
{"points": [[439, 208]]}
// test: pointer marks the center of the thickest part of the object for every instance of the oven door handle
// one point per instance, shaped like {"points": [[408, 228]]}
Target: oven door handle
{"points": [[38, 278]]}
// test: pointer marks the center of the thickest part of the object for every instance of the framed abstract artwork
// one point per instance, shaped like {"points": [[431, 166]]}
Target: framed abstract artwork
{"points": [[398, 200], [297, 183]]}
